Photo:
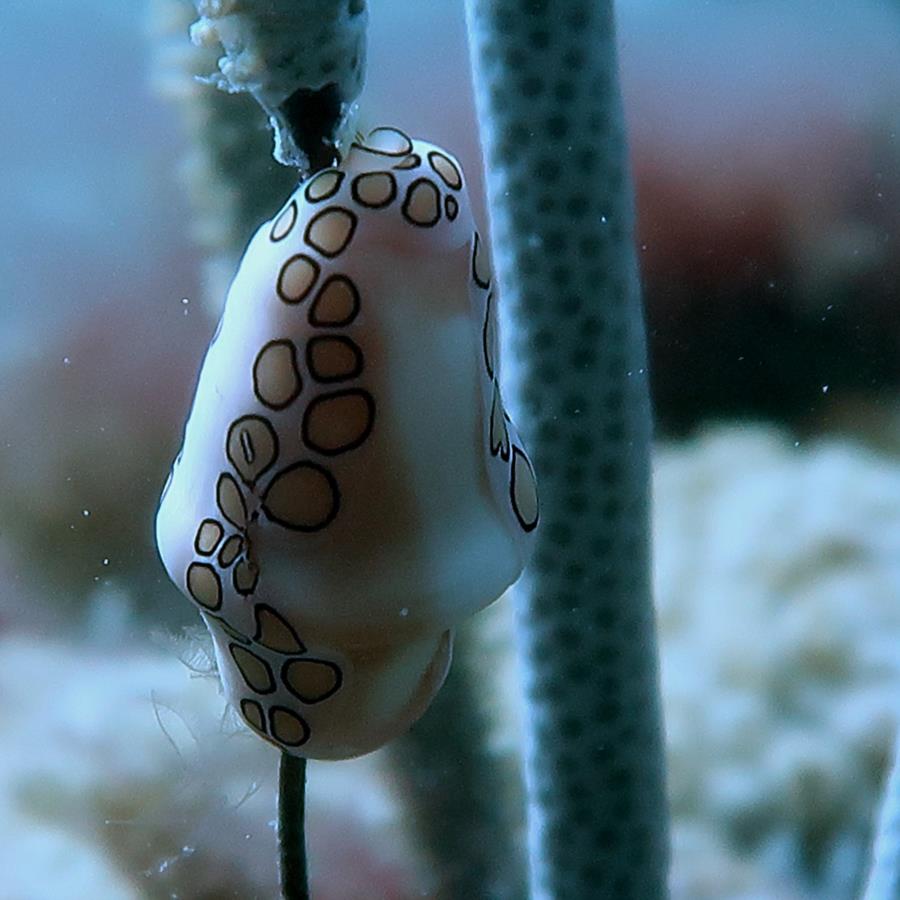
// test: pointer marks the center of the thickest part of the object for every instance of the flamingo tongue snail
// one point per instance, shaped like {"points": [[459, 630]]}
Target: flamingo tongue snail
{"points": [[350, 487]]}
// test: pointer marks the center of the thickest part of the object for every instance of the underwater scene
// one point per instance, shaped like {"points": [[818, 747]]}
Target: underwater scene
{"points": [[450, 449]]}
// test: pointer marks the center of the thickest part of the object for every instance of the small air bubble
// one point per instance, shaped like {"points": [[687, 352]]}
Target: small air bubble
{"points": [[404, 611], [105, 560], [85, 512], [824, 388], [67, 361]]}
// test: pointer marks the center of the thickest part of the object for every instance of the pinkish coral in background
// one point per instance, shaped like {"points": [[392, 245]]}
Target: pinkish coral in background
{"points": [[768, 175], [91, 420]]}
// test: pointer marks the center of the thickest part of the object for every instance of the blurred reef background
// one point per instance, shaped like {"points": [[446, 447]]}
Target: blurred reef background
{"points": [[765, 151]]}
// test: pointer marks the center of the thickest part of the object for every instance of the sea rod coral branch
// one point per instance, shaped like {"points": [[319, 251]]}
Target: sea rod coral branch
{"points": [[302, 60], [227, 169], [884, 877], [547, 93]]}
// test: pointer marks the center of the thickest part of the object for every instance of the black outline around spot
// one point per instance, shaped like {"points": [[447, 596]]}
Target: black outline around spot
{"points": [[290, 712], [230, 630], [187, 584], [354, 292], [222, 477], [512, 490], [240, 542], [408, 199], [339, 339], [336, 493], [437, 171], [261, 729], [411, 161], [485, 338], [275, 451], [339, 681], [317, 177], [292, 208], [234, 576], [409, 148], [269, 672], [257, 637], [498, 450], [299, 381], [328, 211], [475, 276], [197, 548], [312, 282], [450, 202], [392, 196], [304, 428]]}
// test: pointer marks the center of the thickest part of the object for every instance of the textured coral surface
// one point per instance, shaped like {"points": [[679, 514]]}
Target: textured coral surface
{"points": [[777, 581], [559, 195], [776, 576], [121, 776]]}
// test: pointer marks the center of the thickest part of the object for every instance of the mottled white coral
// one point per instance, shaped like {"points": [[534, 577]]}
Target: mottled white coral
{"points": [[121, 776], [777, 581], [777, 585]]}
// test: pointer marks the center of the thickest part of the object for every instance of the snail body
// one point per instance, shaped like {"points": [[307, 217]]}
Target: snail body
{"points": [[350, 487]]}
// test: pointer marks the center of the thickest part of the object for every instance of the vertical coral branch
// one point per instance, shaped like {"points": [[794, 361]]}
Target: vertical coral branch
{"points": [[884, 877], [228, 170], [547, 93]]}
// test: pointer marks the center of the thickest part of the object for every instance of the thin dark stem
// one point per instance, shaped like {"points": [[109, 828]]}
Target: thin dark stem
{"points": [[291, 828]]}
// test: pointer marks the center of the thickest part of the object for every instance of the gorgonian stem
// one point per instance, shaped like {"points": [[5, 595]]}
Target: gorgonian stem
{"points": [[291, 828]]}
